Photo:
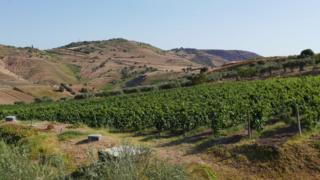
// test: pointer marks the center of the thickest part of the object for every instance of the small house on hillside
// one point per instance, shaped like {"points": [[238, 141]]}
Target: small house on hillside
{"points": [[11, 118]]}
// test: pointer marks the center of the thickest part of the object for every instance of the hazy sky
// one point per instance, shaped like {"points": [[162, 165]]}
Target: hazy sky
{"points": [[268, 27]]}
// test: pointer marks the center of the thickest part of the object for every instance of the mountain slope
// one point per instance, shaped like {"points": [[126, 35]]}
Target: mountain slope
{"points": [[8, 78], [113, 61], [214, 58], [35, 66], [108, 64]]}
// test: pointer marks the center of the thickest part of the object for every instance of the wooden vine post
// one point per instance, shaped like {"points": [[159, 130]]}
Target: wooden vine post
{"points": [[249, 125], [298, 119], [213, 124]]}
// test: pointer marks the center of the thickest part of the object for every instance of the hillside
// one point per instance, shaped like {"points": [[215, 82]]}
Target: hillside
{"points": [[115, 61], [214, 58], [35, 66], [101, 65], [24, 71], [268, 67]]}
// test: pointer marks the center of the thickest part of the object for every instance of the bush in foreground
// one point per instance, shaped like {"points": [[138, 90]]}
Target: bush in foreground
{"points": [[15, 164], [130, 166]]}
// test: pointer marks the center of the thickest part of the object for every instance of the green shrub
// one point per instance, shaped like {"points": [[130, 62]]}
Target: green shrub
{"points": [[247, 72], [306, 53], [170, 85], [63, 99], [19, 103], [130, 90], [108, 93], [147, 88], [186, 84], [12, 133], [198, 78], [70, 135], [83, 96], [43, 99]]}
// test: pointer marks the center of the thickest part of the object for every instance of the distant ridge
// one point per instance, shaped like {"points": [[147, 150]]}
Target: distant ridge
{"points": [[212, 57]]}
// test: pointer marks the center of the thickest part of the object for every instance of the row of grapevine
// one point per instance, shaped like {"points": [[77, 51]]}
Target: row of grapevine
{"points": [[213, 105]]}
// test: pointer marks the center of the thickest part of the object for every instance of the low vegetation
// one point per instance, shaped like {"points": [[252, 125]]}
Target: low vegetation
{"points": [[15, 163], [132, 167], [38, 156]]}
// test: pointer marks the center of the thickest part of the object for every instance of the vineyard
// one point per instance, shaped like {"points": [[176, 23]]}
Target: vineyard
{"points": [[217, 106]]}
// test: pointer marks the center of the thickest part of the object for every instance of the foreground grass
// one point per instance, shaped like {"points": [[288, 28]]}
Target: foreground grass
{"points": [[255, 157], [27, 153], [15, 163], [130, 166]]}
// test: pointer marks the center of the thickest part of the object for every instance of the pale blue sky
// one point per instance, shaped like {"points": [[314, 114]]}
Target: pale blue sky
{"points": [[268, 27]]}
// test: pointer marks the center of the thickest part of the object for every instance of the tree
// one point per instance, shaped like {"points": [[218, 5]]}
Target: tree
{"points": [[204, 70], [306, 53], [247, 72], [199, 78]]}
